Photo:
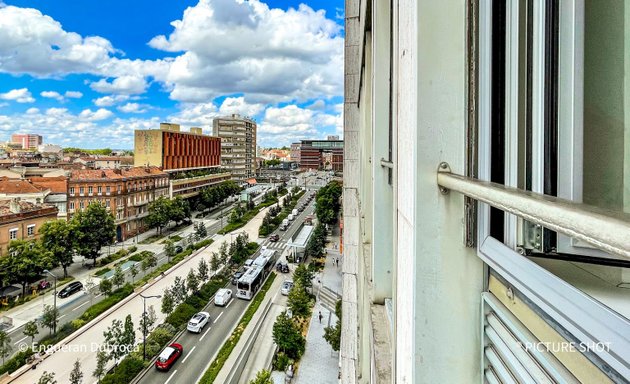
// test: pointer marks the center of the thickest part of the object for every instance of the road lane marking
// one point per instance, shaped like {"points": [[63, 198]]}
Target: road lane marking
{"points": [[171, 376], [87, 302], [217, 319], [99, 295], [189, 353], [62, 316], [22, 339], [204, 334], [231, 300]]}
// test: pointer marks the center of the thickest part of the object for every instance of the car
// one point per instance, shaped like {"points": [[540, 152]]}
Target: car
{"points": [[70, 289], [222, 297], [179, 249], [169, 356], [286, 287], [198, 321], [237, 275], [275, 237], [282, 267], [249, 262]]}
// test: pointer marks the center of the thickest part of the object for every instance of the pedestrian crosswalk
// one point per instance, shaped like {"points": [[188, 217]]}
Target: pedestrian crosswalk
{"points": [[279, 245]]}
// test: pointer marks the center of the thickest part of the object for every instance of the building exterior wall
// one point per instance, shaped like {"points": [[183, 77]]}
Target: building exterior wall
{"points": [[312, 153], [22, 221], [190, 187], [27, 141], [174, 150], [238, 145], [295, 152]]}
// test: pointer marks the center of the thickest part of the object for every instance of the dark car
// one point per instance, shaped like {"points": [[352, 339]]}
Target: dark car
{"points": [[282, 267], [169, 356], [71, 289], [237, 275], [275, 237], [178, 249]]}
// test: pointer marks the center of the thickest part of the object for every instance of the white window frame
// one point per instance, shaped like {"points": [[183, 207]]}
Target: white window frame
{"points": [[13, 233], [30, 230]]}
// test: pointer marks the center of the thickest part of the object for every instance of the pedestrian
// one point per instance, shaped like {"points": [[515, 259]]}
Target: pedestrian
{"points": [[320, 317]]}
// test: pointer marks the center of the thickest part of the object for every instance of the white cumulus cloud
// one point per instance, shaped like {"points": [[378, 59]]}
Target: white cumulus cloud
{"points": [[52, 95], [100, 114], [126, 85], [108, 101], [21, 95], [73, 94], [132, 108]]}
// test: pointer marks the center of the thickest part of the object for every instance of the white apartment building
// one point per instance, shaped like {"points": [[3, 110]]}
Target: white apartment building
{"points": [[486, 188], [238, 145]]}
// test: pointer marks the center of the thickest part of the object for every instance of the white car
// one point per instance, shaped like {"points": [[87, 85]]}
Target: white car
{"points": [[198, 321], [286, 287], [222, 297]]}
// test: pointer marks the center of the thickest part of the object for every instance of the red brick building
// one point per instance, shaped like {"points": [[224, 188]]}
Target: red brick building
{"points": [[125, 192], [170, 149], [312, 154], [21, 220]]}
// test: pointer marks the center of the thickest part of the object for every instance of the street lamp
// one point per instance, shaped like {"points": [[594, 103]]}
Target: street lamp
{"points": [[54, 297], [144, 323]]}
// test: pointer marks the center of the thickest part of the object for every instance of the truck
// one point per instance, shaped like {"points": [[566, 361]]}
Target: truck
{"points": [[294, 212]]}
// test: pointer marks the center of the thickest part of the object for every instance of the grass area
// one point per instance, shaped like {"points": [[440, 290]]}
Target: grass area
{"points": [[226, 349], [241, 222], [102, 271], [175, 238], [152, 239]]}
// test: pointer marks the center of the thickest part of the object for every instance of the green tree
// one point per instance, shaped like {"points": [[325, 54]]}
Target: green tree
{"points": [[119, 277], [47, 378], [149, 318], [179, 290], [169, 249], [215, 262], [168, 302], [105, 286], [101, 362], [128, 335], [202, 269], [179, 210], [192, 281], [31, 330], [159, 213], [262, 377], [58, 237], [299, 300], [201, 230], [134, 272], [149, 261], [5, 345], [303, 276], [25, 262], [50, 317], [288, 337], [76, 376], [224, 253], [95, 228], [333, 334], [113, 337]]}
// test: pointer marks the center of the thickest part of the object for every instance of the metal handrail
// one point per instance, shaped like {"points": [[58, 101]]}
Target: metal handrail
{"points": [[604, 229]]}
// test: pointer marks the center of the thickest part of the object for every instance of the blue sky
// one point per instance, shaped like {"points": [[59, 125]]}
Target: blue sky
{"points": [[87, 73]]}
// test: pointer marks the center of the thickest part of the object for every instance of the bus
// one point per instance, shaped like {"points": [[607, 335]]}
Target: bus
{"points": [[250, 282], [266, 260]]}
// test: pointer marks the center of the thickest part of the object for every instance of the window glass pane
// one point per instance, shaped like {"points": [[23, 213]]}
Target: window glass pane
{"points": [[606, 176]]}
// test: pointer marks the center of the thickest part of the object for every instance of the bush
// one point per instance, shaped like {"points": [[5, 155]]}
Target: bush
{"points": [[102, 271], [107, 303], [16, 361], [125, 372], [113, 257], [181, 315], [132, 249], [281, 361], [203, 243]]}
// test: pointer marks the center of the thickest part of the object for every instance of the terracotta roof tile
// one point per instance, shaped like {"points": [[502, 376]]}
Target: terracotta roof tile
{"points": [[16, 186]]}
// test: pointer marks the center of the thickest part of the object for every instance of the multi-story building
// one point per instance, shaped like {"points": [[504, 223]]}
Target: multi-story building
{"points": [[58, 192], [312, 154], [295, 152], [173, 150], [238, 145], [27, 140], [21, 220], [484, 233], [125, 192]]}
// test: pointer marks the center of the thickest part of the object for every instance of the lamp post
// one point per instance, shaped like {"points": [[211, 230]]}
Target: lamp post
{"points": [[54, 297], [144, 323]]}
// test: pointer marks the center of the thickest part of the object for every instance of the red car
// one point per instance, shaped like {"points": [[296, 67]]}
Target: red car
{"points": [[169, 356], [275, 237]]}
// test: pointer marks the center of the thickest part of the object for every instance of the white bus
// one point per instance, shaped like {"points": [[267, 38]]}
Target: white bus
{"points": [[250, 282]]}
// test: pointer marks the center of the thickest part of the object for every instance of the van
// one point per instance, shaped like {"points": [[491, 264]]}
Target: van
{"points": [[294, 212], [290, 217], [222, 297]]}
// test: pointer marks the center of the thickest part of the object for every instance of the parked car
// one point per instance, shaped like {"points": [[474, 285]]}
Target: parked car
{"points": [[169, 356], [282, 267], [249, 262], [198, 321], [70, 289], [44, 284], [222, 297], [275, 237], [237, 275], [286, 287], [178, 249]]}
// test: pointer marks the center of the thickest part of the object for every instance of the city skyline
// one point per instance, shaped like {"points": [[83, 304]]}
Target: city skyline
{"points": [[90, 82]]}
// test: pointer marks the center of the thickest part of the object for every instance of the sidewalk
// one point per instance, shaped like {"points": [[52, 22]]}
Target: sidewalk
{"points": [[320, 364]]}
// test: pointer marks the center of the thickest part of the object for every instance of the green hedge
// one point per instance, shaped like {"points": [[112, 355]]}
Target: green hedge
{"points": [[224, 352], [194, 303], [102, 271], [107, 303], [113, 257], [128, 368], [241, 222], [16, 361]]}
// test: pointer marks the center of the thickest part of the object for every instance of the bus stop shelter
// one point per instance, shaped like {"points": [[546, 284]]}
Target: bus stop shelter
{"points": [[298, 243]]}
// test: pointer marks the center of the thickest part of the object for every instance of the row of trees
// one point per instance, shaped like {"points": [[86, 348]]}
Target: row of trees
{"points": [[162, 211], [182, 287], [328, 203], [84, 235], [317, 242], [213, 196]]}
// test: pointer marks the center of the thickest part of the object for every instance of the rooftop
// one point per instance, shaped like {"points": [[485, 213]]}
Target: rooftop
{"points": [[18, 186]]}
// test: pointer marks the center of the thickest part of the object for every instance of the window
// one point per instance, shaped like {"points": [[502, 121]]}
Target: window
{"points": [[107, 189], [71, 205], [81, 191], [30, 230], [71, 190], [90, 190], [99, 189], [82, 204], [119, 188], [107, 203], [13, 233]]}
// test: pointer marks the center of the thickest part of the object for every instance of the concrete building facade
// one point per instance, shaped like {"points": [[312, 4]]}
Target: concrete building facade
{"points": [[27, 140], [238, 145], [313, 154], [295, 152], [478, 180], [21, 220]]}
